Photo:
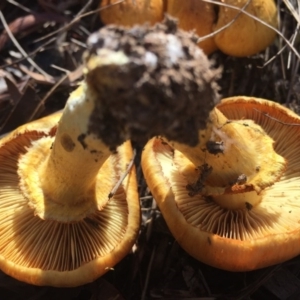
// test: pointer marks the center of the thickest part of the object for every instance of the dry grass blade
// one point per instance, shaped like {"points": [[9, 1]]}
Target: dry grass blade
{"points": [[69, 78], [292, 10], [20, 48], [20, 6], [118, 184]]}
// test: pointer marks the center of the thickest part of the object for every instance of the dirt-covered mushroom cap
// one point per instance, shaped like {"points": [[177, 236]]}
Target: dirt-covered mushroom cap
{"points": [[129, 12], [148, 77], [226, 223], [59, 225], [246, 36]]}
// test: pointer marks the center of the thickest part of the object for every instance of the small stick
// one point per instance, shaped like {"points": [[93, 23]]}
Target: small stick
{"points": [[274, 119], [113, 191], [146, 198]]}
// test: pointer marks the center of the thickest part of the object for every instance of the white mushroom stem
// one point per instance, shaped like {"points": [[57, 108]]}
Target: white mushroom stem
{"points": [[237, 156]]}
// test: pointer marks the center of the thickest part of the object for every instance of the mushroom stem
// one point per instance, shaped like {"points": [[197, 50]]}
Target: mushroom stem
{"points": [[231, 157], [76, 156], [68, 177]]}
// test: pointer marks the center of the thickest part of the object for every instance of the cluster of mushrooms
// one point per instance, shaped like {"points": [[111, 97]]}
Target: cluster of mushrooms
{"points": [[225, 175], [236, 27]]}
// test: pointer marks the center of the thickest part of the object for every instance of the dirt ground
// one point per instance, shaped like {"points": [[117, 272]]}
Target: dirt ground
{"points": [[157, 268]]}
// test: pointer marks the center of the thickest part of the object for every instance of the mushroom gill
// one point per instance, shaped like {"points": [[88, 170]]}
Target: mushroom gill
{"points": [[247, 223], [35, 245], [235, 228]]}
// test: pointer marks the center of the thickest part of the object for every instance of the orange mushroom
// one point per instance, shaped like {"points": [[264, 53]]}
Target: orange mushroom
{"points": [[195, 15], [131, 12], [233, 200], [237, 33], [246, 35]]}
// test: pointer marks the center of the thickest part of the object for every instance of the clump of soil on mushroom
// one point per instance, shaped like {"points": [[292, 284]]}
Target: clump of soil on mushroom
{"points": [[165, 75]]}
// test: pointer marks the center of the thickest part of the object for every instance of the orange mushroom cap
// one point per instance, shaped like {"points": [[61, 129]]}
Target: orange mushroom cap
{"points": [[195, 15], [244, 228], [129, 12], [246, 36]]}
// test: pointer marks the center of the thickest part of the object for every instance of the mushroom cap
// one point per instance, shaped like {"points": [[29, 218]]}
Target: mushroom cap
{"points": [[195, 15], [129, 13], [233, 239], [246, 36], [47, 252]]}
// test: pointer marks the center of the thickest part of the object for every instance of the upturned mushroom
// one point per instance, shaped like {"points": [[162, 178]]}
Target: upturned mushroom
{"points": [[60, 225], [233, 200], [66, 214], [242, 28]]}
